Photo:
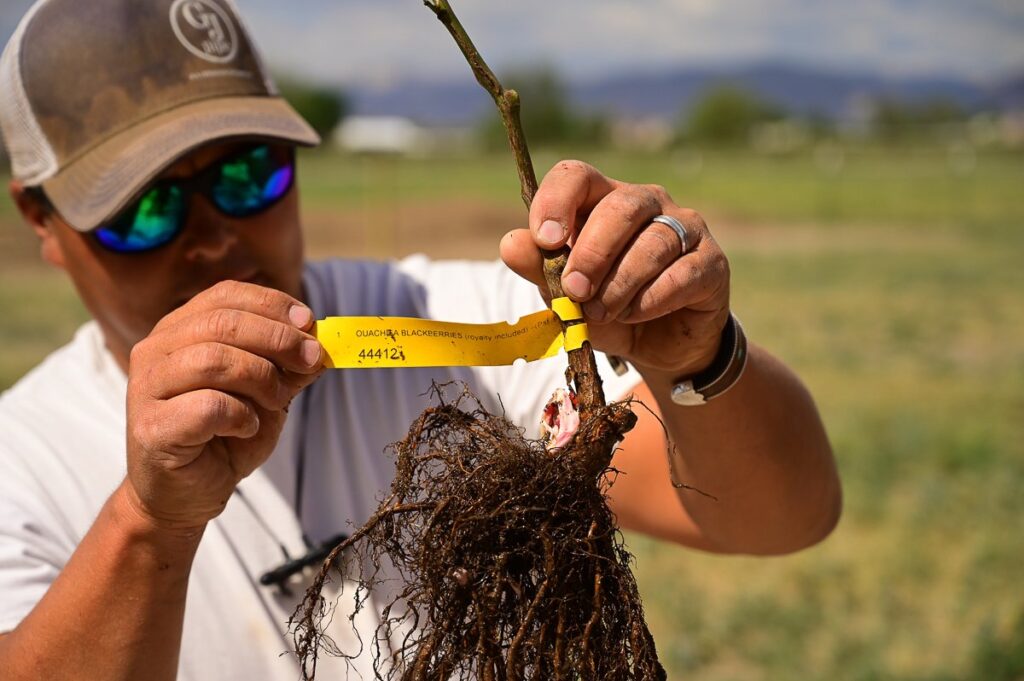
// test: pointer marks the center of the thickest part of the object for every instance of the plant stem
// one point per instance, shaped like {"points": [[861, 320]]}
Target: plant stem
{"points": [[582, 366]]}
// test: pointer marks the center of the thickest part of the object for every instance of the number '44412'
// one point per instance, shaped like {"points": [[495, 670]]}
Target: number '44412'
{"points": [[393, 354]]}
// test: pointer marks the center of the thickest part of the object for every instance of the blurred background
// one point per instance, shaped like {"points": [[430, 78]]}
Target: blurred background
{"points": [[863, 166]]}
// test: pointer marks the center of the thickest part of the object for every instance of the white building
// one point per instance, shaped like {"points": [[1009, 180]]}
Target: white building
{"points": [[380, 135]]}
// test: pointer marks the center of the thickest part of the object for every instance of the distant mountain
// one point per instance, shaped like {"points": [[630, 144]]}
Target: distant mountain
{"points": [[798, 90], [1009, 95], [665, 94]]}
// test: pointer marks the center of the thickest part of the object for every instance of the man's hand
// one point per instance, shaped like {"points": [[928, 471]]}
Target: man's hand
{"points": [[760, 448], [644, 300], [208, 392]]}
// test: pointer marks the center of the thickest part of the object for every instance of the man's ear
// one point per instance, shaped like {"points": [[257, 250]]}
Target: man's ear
{"points": [[40, 217]]}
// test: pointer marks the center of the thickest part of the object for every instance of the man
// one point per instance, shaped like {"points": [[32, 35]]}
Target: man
{"points": [[152, 470]]}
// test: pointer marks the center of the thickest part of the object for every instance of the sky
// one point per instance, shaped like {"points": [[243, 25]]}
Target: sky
{"points": [[383, 41]]}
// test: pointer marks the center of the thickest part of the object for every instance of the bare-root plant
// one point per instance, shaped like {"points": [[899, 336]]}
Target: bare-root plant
{"points": [[508, 561]]}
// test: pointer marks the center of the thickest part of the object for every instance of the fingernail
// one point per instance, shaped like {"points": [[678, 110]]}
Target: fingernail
{"points": [[300, 315], [595, 311], [624, 315], [551, 233], [311, 352], [577, 285]]}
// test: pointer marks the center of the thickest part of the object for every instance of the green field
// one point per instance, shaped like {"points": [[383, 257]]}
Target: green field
{"points": [[891, 280]]}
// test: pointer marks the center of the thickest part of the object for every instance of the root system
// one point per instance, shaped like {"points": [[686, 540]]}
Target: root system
{"points": [[509, 564]]}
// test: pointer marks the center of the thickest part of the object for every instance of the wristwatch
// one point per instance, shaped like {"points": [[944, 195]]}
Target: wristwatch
{"points": [[723, 372]]}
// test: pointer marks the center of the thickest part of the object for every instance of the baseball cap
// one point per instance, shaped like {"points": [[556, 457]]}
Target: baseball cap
{"points": [[98, 97]]}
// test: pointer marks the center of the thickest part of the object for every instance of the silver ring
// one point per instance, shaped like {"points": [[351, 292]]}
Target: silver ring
{"points": [[677, 227]]}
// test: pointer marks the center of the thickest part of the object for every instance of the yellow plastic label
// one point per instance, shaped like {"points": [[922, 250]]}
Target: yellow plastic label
{"points": [[575, 336], [392, 342], [567, 309]]}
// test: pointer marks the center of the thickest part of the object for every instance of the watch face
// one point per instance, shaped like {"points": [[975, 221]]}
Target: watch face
{"points": [[685, 395]]}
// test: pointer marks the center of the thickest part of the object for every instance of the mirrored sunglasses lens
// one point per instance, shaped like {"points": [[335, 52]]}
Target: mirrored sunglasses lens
{"points": [[153, 222], [253, 182]]}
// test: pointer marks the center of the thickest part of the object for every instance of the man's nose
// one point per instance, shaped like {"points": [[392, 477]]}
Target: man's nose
{"points": [[209, 235]]}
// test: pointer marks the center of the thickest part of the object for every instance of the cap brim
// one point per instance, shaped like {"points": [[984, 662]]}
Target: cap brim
{"points": [[94, 188]]}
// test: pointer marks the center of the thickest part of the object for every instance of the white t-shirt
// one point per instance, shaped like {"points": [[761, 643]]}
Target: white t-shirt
{"points": [[62, 453]]}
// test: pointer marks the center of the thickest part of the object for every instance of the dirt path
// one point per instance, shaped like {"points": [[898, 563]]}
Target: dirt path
{"points": [[445, 228]]}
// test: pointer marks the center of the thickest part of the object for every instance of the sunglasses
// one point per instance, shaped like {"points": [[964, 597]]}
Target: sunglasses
{"points": [[239, 186]]}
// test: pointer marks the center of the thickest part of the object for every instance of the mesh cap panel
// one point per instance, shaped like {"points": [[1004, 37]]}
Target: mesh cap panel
{"points": [[32, 158]]}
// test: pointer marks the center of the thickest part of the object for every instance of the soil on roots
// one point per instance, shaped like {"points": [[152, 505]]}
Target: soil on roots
{"points": [[510, 563]]}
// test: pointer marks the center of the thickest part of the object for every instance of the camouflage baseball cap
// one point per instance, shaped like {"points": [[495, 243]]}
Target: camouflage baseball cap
{"points": [[98, 97]]}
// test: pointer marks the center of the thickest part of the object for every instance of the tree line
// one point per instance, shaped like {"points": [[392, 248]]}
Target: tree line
{"points": [[724, 115]]}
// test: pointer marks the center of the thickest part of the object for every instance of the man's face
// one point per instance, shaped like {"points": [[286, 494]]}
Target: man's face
{"points": [[129, 293]]}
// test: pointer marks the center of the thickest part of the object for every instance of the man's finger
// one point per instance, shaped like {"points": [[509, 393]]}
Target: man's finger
{"points": [[195, 418], [651, 252], [612, 225], [236, 295], [280, 342], [220, 367], [520, 254], [569, 189], [699, 281]]}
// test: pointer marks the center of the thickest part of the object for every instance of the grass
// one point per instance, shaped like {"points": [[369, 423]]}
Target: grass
{"points": [[912, 186], [893, 284]]}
